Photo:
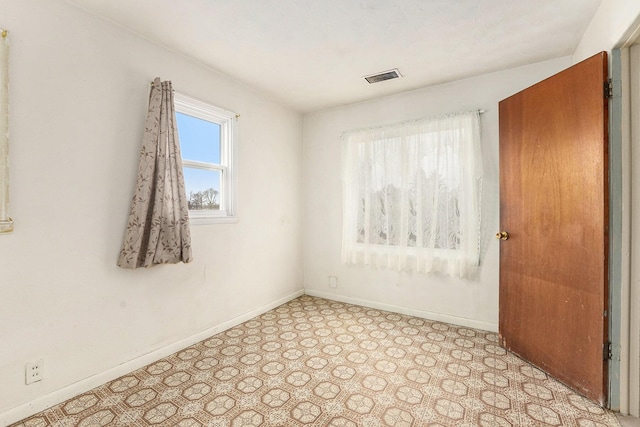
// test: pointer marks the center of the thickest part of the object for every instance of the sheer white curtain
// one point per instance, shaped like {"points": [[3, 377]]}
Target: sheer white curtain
{"points": [[411, 195]]}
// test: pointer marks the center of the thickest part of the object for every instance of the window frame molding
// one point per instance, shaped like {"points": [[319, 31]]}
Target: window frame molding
{"points": [[227, 120]]}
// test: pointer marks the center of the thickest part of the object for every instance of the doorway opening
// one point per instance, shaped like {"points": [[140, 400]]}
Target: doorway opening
{"points": [[625, 226]]}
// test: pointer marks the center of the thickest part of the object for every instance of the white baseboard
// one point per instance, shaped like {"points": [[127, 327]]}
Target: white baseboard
{"points": [[460, 321], [40, 404]]}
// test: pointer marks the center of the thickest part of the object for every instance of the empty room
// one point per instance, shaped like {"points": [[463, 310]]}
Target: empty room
{"points": [[326, 213]]}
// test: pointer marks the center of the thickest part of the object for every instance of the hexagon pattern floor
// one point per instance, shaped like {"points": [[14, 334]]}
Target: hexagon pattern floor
{"points": [[317, 362]]}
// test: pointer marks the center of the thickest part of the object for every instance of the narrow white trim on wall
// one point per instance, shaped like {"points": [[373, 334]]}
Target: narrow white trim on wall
{"points": [[82, 386], [632, 316], [6, 223], [424, 314]]}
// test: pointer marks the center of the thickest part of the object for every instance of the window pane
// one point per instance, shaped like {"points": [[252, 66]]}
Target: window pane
{"points": [[199, 139], [202, 188]]}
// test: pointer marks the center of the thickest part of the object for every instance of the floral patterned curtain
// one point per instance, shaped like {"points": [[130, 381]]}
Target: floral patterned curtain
{"points": [[158, 228]]}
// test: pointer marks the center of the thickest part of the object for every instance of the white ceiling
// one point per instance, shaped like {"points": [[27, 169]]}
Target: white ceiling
{"points": [[312, 54]]}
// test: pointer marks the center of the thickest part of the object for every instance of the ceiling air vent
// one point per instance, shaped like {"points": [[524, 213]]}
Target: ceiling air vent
{"points": [[385, 75]]}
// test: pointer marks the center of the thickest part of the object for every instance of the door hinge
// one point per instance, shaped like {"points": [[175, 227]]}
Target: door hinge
{"points": [[608, 89], [607, 353]]}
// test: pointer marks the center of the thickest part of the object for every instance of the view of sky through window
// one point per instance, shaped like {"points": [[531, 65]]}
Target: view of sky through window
{"points": [[200, 141], [200, 180], [193, 131]]}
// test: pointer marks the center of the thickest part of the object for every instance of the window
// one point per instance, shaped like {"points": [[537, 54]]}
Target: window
{"points": [[412, 195], [207, 145]]}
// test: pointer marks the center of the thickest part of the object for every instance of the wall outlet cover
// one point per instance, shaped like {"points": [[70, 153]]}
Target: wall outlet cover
{"points": [[33, 371]]}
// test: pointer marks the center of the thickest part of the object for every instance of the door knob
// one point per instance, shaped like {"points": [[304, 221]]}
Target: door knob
{"points": [[503, 235]]}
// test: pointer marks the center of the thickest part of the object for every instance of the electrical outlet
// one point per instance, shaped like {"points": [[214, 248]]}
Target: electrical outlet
{"points": [[333, 282], [33, 371]]}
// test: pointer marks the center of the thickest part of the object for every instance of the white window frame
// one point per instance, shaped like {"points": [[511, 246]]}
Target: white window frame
{"points": [[228, 158]]}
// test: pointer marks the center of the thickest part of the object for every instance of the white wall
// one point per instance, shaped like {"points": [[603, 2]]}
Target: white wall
{"points": [[79, 92], [464, 302], [610, 25]]}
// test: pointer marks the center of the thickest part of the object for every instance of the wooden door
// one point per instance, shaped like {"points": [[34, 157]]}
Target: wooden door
{"points": [[554, 206]]}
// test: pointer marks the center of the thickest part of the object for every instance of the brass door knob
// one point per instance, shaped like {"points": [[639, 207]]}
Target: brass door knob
{"points": [[503, 235]]}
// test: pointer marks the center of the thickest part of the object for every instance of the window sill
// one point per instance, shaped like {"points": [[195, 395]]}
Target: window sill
{"points": [[413, 253], [213, 220]]}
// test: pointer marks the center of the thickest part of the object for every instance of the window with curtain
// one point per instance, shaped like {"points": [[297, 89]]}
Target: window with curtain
{"points": [[411, 195]]}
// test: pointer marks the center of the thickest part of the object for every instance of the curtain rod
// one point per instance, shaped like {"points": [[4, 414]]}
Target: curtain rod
{"points": [[407, 122], [173, 90], [4, 33]]}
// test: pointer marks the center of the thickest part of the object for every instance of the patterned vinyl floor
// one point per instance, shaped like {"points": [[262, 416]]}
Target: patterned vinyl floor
{"points": [[317, 362]]}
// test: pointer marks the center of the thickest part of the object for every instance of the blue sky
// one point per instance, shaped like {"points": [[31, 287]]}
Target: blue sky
{"points": [[199, 140]]}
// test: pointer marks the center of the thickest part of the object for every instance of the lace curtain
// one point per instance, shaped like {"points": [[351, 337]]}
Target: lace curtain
{"points": [[158, 227], [412, 195]]}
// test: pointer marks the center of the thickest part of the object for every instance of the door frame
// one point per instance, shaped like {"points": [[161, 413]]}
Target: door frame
{"points": [[624, 299], [634, 291]]}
